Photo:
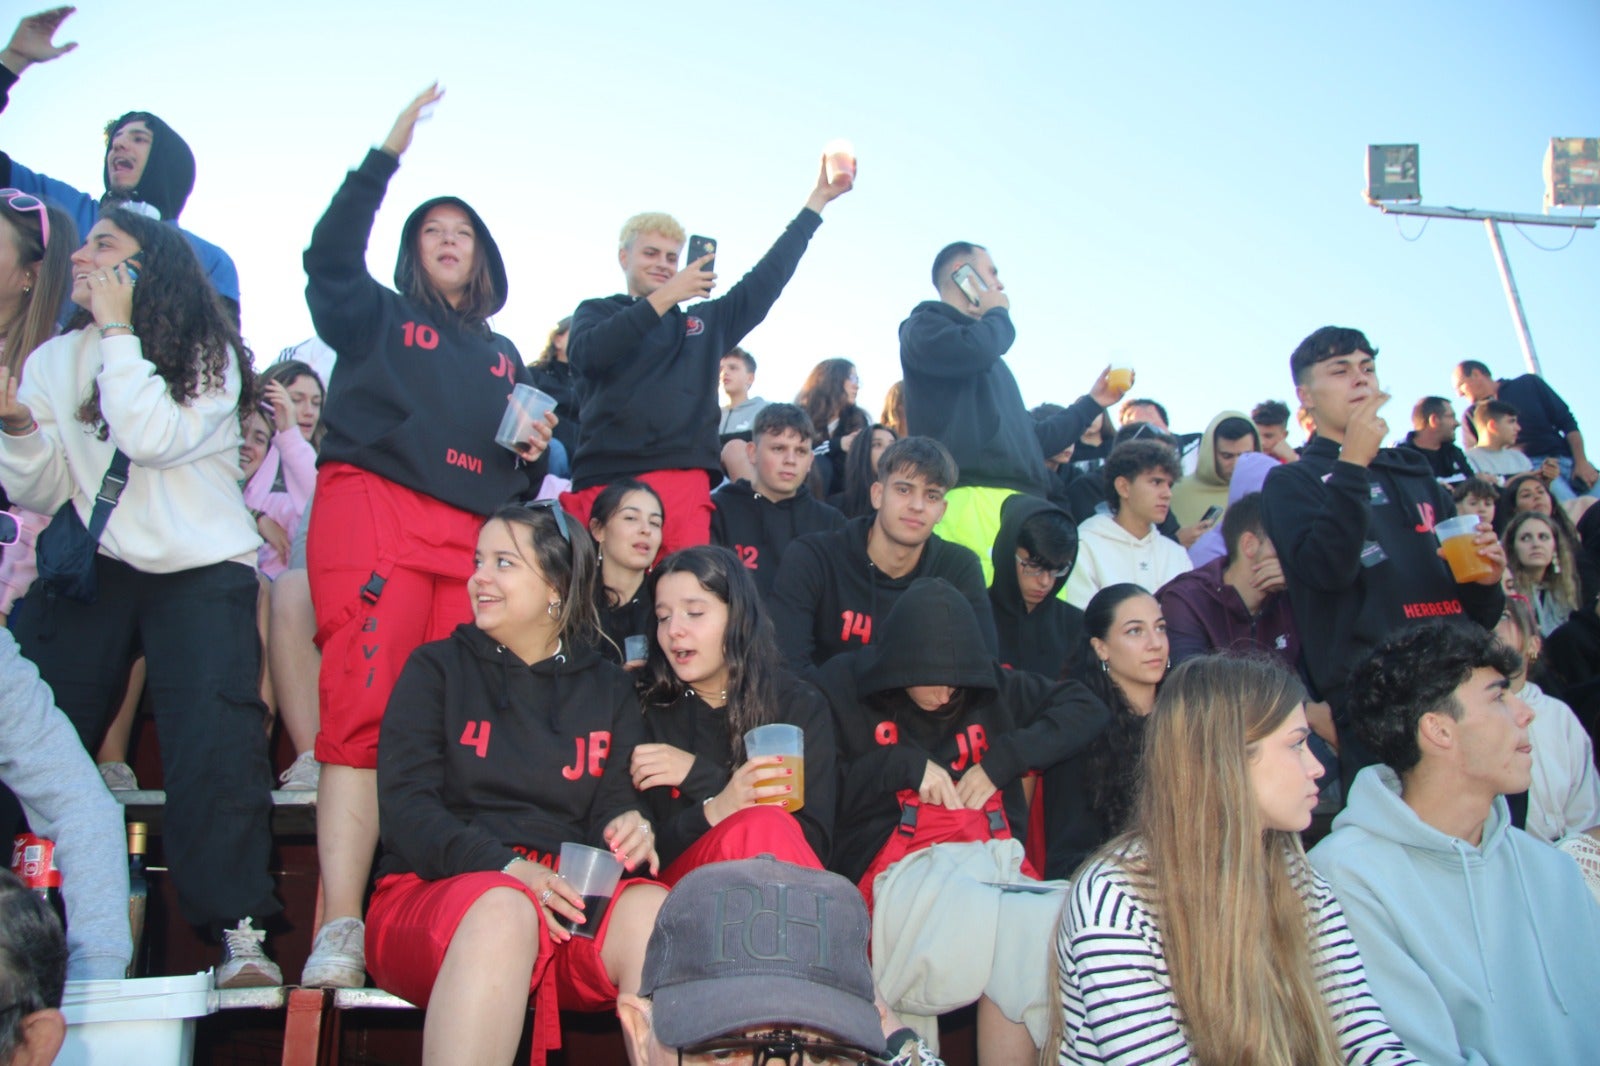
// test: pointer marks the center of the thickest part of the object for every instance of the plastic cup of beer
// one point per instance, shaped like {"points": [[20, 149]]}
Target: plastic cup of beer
{"points": [[525, 408], [1120, 378], [1456, 536], [788, 741], [594, 873], [839, 157]]}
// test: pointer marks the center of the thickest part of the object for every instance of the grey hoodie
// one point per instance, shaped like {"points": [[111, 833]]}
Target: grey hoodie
{"points": [[1487, 954], [43, 762]]}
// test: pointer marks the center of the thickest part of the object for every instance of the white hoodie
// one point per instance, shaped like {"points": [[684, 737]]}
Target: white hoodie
{"points": [[1565, 794], [182, 507], [1110, 555]]}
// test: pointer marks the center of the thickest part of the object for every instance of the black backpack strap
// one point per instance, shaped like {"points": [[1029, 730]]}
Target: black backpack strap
{"points": [[105, 500]]}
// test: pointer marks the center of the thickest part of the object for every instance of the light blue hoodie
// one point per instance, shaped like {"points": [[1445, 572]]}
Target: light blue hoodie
{"points": [[1477, 955]]}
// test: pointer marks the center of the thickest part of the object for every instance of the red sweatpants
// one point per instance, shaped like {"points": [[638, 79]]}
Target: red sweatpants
{"points": [[388, 569], [685, 503], [762, 830]]}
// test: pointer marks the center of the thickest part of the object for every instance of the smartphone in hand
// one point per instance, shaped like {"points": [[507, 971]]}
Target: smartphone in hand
{"points": [[699, 246], [967, 281], [1212, 514]]}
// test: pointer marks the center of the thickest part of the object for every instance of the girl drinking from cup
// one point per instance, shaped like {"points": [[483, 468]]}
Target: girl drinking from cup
{"points": [[714, 674]]}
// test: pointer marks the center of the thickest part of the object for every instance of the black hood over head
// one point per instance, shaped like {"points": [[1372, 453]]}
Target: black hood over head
{"points": [[168, 176], [931, 637], [1004, 593], [405, 264]]}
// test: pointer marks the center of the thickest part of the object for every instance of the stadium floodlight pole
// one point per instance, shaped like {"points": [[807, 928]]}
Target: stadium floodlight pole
{"points": [[1491, 224]]}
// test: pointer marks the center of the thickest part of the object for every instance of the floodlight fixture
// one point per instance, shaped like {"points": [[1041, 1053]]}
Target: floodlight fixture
{"points": [[1572, 172], [1392, 173]]}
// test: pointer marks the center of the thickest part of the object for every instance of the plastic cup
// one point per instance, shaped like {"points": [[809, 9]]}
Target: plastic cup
{"points": [[1456, 537], [594, 873], [788, 741], [525, 407], [635, 648], [1120, 378], [839, 157]]}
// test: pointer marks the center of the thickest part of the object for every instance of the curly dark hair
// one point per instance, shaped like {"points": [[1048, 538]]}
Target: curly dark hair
{"points": [[1414, 672], [1132, 458], [184, 330], [748, 645], [1113, 757]]}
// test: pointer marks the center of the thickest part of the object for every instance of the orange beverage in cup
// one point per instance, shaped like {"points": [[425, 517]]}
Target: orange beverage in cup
{"points": [[796, 799], [839, 157], [1456, 537], [787, 741], [1120, 378]]}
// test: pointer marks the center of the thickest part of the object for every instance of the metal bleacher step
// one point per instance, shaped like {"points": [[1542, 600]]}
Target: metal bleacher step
{"points": [[293, 813], [278, 997]]}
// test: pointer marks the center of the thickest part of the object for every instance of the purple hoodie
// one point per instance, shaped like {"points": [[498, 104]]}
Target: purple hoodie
{"points": [[1249, 475], [1204, 614]]}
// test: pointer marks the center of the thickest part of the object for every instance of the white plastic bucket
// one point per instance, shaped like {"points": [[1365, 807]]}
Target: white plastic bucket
{"points": [[142, 1022]]}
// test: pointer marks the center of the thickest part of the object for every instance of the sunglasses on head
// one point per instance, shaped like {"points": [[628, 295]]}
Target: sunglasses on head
{"points": [[560, 516], [18, 200]]}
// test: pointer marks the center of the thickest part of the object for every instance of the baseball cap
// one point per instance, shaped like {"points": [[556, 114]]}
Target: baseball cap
{"points": [[758, 942]]}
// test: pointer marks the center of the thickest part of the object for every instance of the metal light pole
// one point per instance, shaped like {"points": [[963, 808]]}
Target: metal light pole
{"points": [[1491, 224]]}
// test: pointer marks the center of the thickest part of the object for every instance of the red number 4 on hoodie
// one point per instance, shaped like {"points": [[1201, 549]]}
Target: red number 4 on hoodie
{"points": [[476, 737]]}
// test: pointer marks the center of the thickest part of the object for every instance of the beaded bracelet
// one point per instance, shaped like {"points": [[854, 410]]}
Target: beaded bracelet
{"points": [[114, 325]]}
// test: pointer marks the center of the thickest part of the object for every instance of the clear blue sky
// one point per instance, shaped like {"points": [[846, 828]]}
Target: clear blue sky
{"points": [[1172, 185]]}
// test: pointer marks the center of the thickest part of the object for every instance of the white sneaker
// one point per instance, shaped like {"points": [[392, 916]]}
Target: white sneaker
{"points": [[244, 964], [338, 956], [118, 777], [302, 774]]}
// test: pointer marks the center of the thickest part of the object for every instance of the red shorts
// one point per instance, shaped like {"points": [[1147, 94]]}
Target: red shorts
{"points": [[685, 503], [410, 923], [364, 526], [762, 830]]}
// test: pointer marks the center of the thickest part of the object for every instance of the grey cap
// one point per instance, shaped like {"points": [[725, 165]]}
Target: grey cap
{"points": [[758, 942]]}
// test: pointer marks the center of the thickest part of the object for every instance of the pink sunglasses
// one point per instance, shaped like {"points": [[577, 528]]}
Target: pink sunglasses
{"points": [[26, 201]]}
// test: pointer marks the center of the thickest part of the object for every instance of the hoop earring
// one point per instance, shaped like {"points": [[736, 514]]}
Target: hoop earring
{"points": [[553, 609]]}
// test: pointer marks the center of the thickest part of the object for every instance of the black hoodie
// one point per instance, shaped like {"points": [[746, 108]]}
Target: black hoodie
{"points": [[759, 530], [647, 382], [417, 394], [690, 724], [483, 757], [828, 594], [959, 391], [1359, 552], [1047, 639], [168, 176], [1009, 721], [1447, 461]]}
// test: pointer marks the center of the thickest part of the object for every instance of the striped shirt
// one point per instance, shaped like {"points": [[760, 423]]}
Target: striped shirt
{"points": [[1116, 994]]}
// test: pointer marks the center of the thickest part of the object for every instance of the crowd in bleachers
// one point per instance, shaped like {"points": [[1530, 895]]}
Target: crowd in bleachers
{"points": [[1113, 670]]}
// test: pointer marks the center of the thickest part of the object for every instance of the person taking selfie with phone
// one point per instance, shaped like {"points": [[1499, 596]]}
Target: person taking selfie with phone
{"points": [[648, 366]]}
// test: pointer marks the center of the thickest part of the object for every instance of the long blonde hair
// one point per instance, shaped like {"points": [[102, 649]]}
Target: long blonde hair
{"points": [[1236, 933]]}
